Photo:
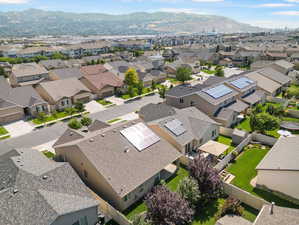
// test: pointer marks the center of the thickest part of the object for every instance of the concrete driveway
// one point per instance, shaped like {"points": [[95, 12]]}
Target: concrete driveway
{"points": [[18, 128], [94, 107], [228, 72], [115, 100]]}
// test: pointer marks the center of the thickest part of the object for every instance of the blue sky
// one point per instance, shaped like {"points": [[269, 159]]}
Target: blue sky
{"points": [[264, 13]]}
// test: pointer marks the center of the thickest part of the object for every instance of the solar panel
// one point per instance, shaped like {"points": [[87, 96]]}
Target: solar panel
{"points": [[140, 136], [219, 91], [176, 127], [242, 82]]}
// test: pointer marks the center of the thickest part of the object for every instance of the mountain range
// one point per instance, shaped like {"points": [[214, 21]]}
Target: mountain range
{"points": [[33, 22]]}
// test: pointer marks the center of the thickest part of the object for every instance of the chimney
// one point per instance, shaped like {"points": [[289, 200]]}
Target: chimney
{"points": [[272, 207]]}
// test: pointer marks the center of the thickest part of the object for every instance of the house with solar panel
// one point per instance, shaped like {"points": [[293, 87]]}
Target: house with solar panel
{"points": [[223, 99], [121, 163], [186, 129]]}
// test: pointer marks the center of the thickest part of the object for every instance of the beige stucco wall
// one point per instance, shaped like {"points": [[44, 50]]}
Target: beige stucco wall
{"points": [[100, 93], [286, 182], [82, 95]]}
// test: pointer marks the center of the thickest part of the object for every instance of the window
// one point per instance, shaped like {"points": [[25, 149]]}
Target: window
{"points": [[181, 100], [213, 133], [191, 103], [85, 173], [83, 221]]}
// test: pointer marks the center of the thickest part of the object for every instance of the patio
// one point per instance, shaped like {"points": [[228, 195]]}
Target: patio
{"points": [[214, 148]]}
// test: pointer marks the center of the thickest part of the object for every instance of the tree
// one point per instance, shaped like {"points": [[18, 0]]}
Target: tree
{"points": [[58, 55], [264, 122], [275, 110], [231, 206], [167, 207], [208, 179], [131, 77], [141, 220], [189, 190], [183, 74], [219, 72], [140, 87], [131, 91], [86, 121], [79, 106], [257, 109], [162, 91], [293, 91], [74, 124]]}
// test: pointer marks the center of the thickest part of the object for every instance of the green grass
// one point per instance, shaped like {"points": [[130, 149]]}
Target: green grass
{"points": [[104, 102], [114, 120], [3, 131], [5, 137], [48, 154], [135, 93], [209, 71], [244, 170], [227, 141], [50, 118]]}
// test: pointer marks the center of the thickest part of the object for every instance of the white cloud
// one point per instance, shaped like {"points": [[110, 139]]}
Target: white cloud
{"points": [[287, 13], [274, 24], [275, 5], [13, 1], [176, 10], [294, 1], [207, 0]]}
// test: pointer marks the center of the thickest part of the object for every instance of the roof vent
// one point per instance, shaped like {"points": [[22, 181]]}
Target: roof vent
{"points": [[103, 135], [91, 140], [127, 149], [45, 177], [15, 191], [272, 207], [71, 133]]}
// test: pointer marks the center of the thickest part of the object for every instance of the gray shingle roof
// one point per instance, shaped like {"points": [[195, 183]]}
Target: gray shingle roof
{"points": [[194, 121], [274, 75], [184, 90], [28, 69], [285, 64], [280, 216], [131, 168], [23, 96], [153, 111], [284, 155], [36, 190], [68, 73]]}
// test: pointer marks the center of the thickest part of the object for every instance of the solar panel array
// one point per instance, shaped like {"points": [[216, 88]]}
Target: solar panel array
{"points": [[140, 136], [219, 91], [242, 82], [176, 127]]}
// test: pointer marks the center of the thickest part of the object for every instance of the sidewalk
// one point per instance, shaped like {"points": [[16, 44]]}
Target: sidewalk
{"points": [[18, 128]]}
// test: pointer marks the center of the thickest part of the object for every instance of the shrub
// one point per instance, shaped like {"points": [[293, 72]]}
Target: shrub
{"points": [[231, 206], [167, 207], [70, 111], [141, 220], [74, 124], [189, 190], [86, 121], [79, 106], [41, 116]]}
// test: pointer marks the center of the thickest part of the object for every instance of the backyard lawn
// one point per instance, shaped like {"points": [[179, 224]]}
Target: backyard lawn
{"points": [[244, 170], [227, 141], [3, 131]]}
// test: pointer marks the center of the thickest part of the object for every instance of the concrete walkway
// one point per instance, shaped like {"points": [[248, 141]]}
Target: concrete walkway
{"points": [[115, 100], [94, 107], [19, 128]]}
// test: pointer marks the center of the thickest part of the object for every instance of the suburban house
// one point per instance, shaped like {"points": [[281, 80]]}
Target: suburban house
{"points": [[270, 87], [223, 99], [279, 170], [276, 76], [27, 74], [283, 66], [52, 64], [186, 129], [260, 64], [121, 163], [118, 68], [18, 103], [65, 73], [61, 94], [35, 190], [100, 81]]}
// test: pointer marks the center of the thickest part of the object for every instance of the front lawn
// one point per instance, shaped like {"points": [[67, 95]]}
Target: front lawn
{"points": [[51, 117], [173, 81], [244, 171], [211, 72], [104, 102], [227, 141], [48, 154], [114, 120], [135, 93], [3, 131]]}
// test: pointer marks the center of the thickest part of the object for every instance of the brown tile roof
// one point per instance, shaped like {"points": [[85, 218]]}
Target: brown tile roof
{"points": [[100, 77]]}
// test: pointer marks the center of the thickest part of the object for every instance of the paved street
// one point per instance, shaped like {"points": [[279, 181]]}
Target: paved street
{"points": [[46, 135]]}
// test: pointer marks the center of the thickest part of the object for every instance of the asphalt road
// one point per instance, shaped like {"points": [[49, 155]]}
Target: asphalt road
{"points": [[48, 134]]}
